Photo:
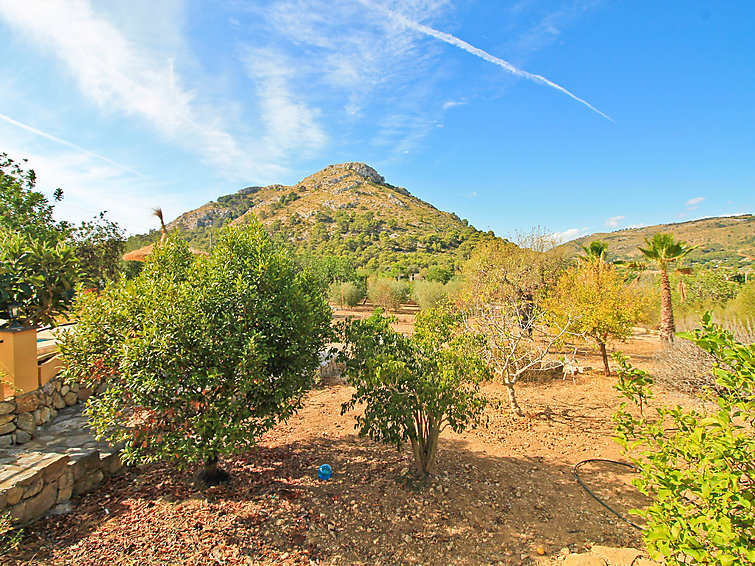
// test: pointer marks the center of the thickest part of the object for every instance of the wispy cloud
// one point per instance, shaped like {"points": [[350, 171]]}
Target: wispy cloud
{"points": [[694, 202], [124, 78], [68, 144], [614, 221], [469, 48], [570, 234], [453, 103]]}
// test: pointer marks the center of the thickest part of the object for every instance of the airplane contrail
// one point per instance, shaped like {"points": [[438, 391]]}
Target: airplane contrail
{"points": [[68, 144], [461, 44]]}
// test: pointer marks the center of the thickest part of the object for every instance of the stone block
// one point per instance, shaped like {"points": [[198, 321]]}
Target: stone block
{"points": [[22, 437], [34, 488], [27, 403], [75, 387], [583, 560], [3, 501], [41, 503], [7, 418], [5, 441], [70, 398], [25, 478], [17, 513], [64, 389], [64, 493], [14, 494], [57, 401], [84, 393], [88, 482], [66, 479], [111, 464], [8, 406], [25, 422], [45, 412], [7, 428], [617, 556], [82, 466], [55, 466]]}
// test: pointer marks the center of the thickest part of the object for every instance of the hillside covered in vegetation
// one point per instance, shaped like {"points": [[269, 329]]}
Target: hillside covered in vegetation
{"points": [[347, 211], [726, 241]]}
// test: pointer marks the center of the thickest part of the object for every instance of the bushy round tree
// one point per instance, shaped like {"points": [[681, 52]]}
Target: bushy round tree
{"points": [[200, 355]]}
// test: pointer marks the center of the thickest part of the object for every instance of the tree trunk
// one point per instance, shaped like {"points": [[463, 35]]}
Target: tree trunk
{"points": [[425, 452], [211, 474], [512, 397], [604, 355], [668, 328]]}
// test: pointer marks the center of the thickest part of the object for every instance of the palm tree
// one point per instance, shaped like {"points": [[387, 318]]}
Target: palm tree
{"points": [[663, 250], [157, 211], [595, 250]]}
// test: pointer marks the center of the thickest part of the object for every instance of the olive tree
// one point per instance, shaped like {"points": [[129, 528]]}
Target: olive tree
{"points": [[199, 355], [414, 387]]}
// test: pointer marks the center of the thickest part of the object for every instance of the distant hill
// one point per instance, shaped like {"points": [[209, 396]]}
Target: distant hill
{"points": [[346, 210], [726, 241]]}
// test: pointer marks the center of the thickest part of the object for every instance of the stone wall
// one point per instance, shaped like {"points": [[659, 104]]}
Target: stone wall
{"points": [[37, 482], [20, 416]]}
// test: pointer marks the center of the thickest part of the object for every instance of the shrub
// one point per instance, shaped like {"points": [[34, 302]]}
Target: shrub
{"points": [[200, 355], [387, 293], [347, 294], [415, 386], [697, 467], [427, 294]]}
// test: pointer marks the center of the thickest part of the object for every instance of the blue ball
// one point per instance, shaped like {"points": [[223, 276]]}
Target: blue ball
{"points": [[324, 472]]}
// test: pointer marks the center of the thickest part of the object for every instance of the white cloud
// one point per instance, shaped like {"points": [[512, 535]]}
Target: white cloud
{"points": [[693, 202], [452, 103], [614, 221], [127, 78], [570, 234]]}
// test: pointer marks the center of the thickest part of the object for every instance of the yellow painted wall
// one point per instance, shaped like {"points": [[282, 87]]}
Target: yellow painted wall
{"points": [[18, 361]]}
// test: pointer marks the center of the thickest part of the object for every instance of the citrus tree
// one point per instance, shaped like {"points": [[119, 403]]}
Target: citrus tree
{"points": [[698, 467], [597, 301], [414, 387], [199, 355]]}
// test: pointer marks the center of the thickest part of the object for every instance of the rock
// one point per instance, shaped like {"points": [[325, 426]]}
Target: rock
{"points": [[88, 482], [55, 466], [84, 393], [61, 508], [14, 494], [8, 418], [17, 512], [27, 403], [85, 464], [22, 437], [616, 556], [75, 387], [25, 422], [39, 505], [111, 464], [7, 428], [45, 414], [8, 406], [64, 389], [583, 560], [37, 417], [57, 400], [5, 441], [70, 398], [34, 488]]}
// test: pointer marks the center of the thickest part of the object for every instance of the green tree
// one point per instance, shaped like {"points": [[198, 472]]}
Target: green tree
{"points": [[697, 466], [414, 387], [663, 250], [200, 355], [595, 250], [38, 276], [595, 297], [98, 245], [22, 208]]}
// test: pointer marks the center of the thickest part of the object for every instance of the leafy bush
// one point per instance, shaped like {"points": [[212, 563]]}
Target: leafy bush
{"points": [[388, 293], [200, 355], [347, 294], [427, 294], [37, 275], [697, 467], [413, 387]]}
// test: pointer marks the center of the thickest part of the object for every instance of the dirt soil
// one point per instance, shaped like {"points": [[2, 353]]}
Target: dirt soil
{"points": [[501, 492]]}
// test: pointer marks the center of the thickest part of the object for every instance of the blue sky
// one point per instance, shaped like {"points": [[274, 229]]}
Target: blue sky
{"points": [[575, 116]]}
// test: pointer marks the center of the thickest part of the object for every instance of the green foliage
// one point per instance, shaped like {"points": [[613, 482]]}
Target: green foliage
{"points": [[662, 249], [413, 387], [24, 210], [327, 269], [745, 301], [427, 294], [37, 275], [9, 537], [697, 467], [347, 294], [200, 355], [98, 245], [387, 293]]}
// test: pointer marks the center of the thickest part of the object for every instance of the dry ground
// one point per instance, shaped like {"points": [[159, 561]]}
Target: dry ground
{"points": [[501, 492]]}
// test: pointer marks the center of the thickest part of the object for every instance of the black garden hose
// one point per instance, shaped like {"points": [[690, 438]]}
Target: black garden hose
{"points": [[575, 471]]}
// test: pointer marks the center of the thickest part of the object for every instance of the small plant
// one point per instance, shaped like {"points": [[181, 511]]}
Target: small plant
{"points": [[414, 387], [698, 468], [9, 537]]}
